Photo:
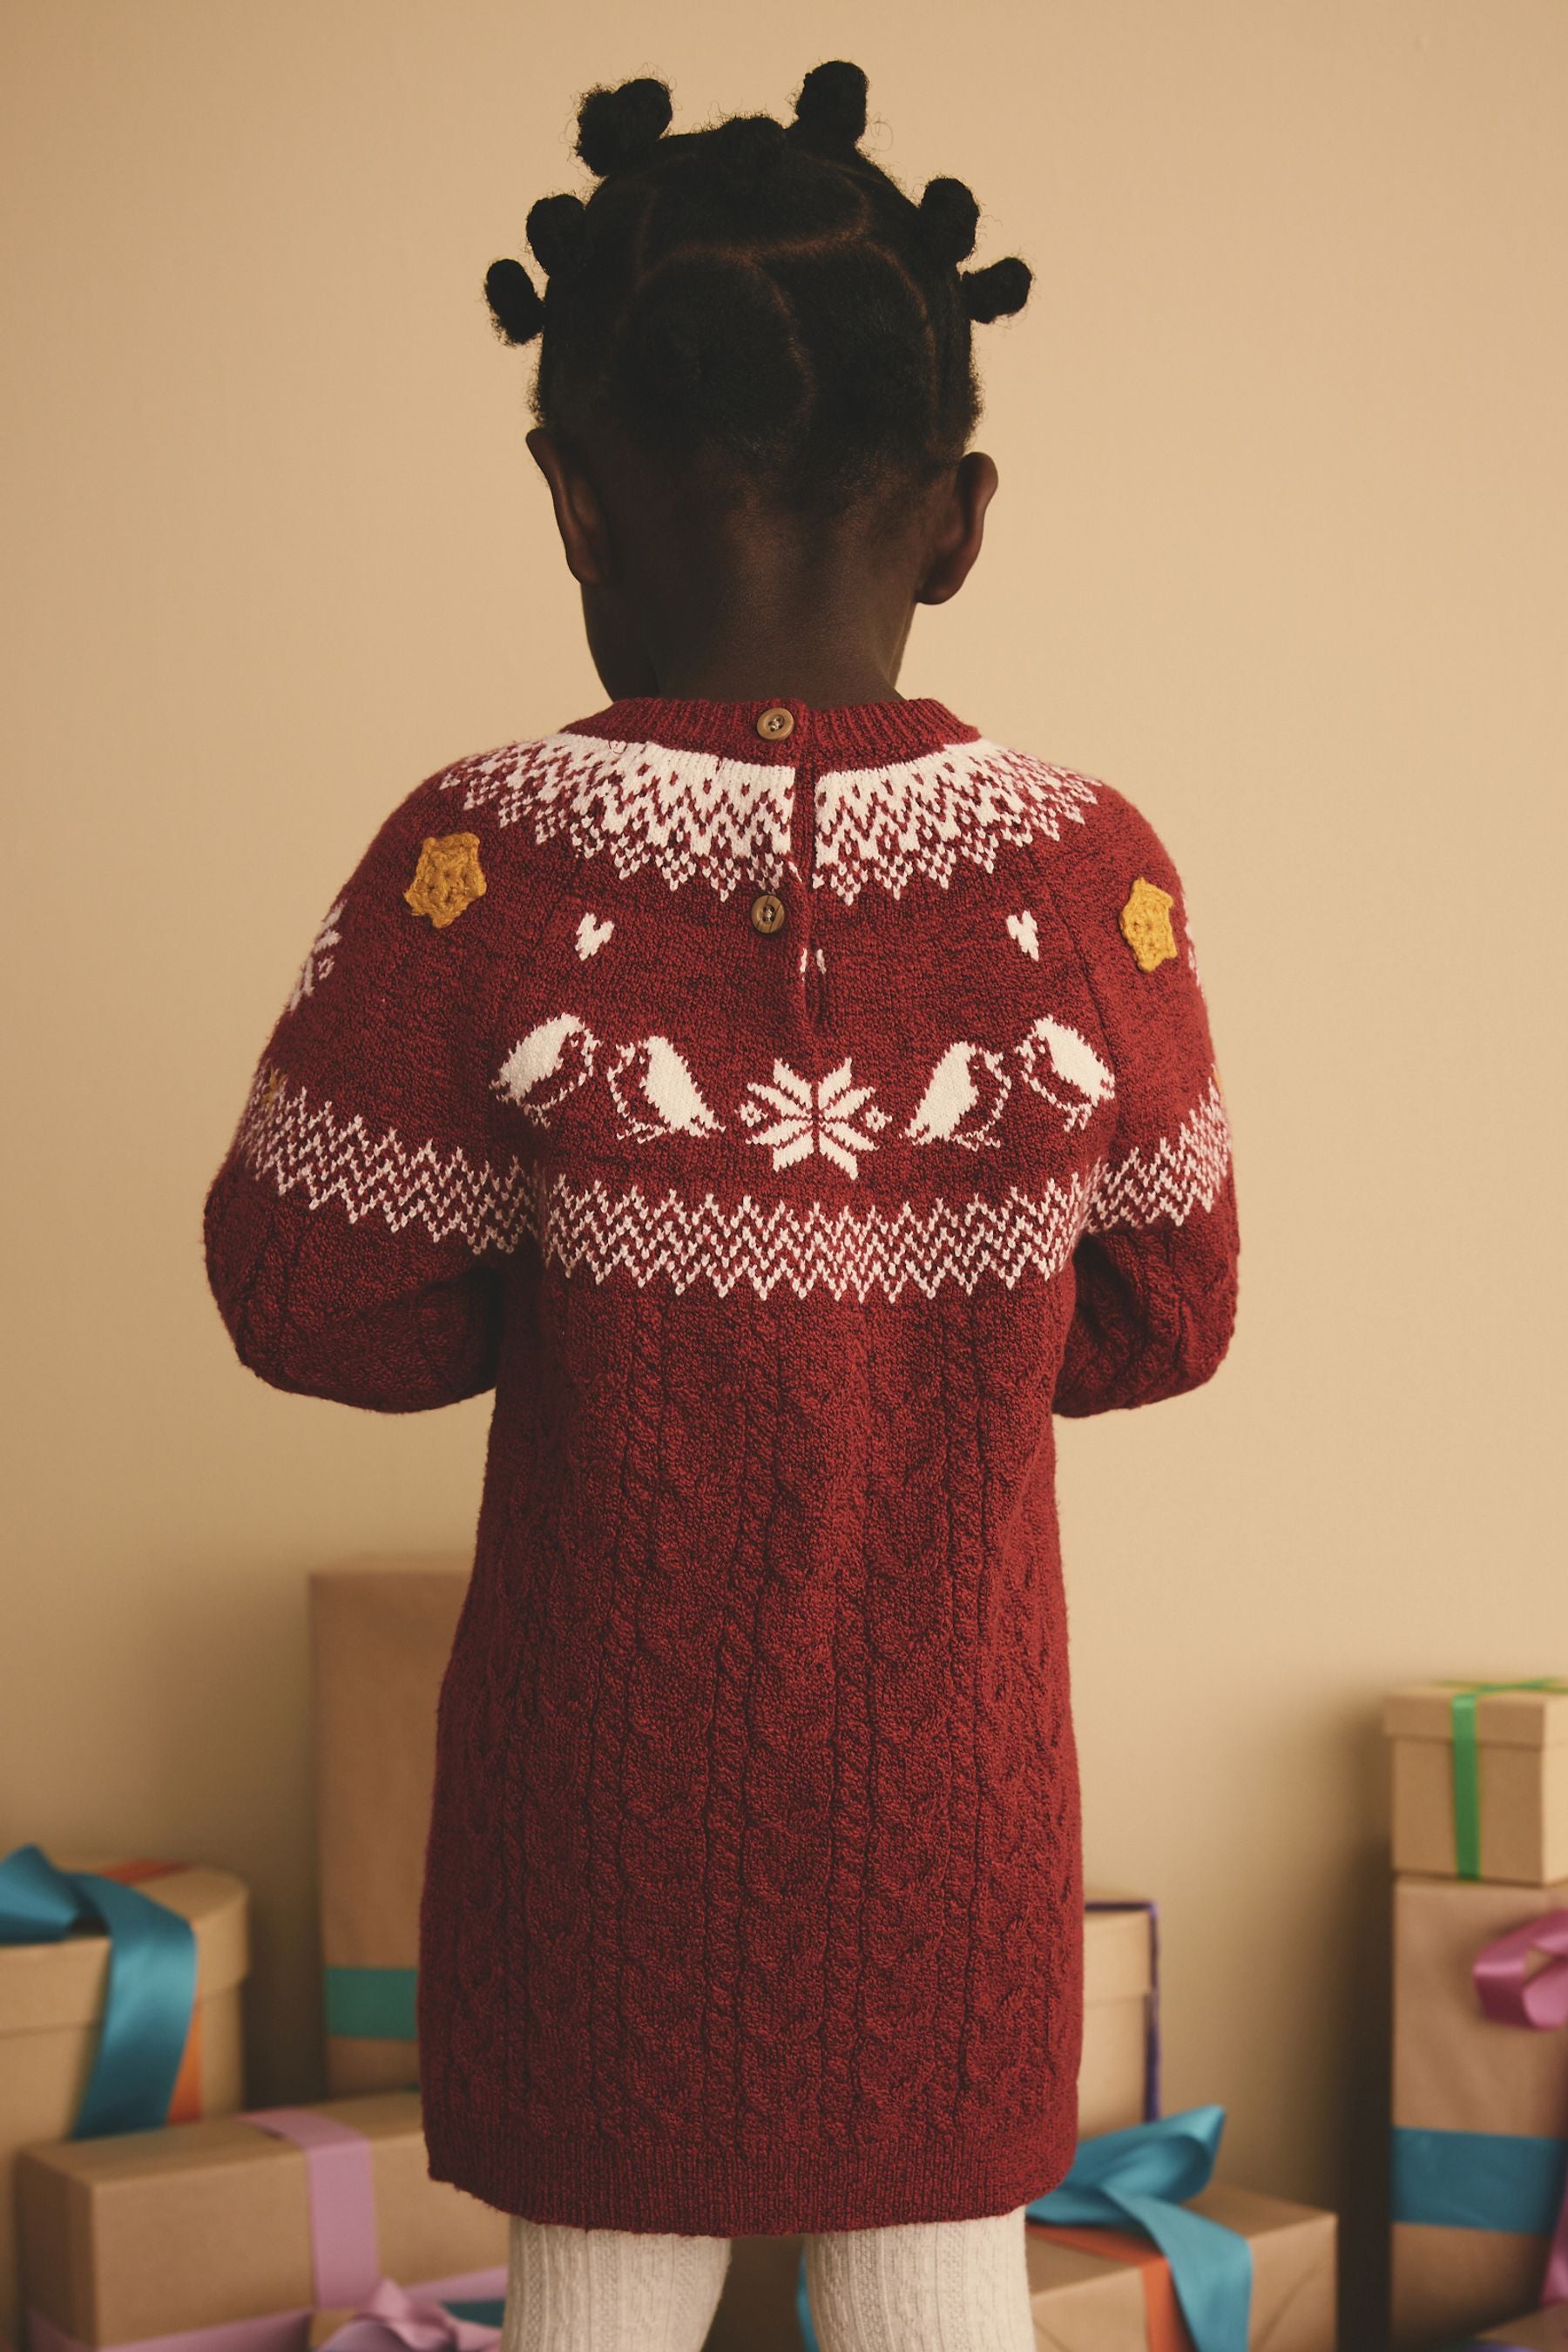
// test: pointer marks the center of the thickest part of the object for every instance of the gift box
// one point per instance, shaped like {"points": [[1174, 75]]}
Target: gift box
{"points": [[1480, 1780], [90, 2044], [1479, 2158], [1118, 2071], [1539, 2331], [381, 1632], [1098, 2290], [245, 2226]]}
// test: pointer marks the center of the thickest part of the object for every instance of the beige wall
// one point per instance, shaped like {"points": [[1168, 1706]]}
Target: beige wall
{"points": [[1280, 551]]}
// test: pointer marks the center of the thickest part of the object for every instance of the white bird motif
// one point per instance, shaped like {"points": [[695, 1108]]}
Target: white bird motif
{"points": [[963, 1099], [1065, 1068], [1022, 927], [592, 933], [653, 1076], [553, 1061]]}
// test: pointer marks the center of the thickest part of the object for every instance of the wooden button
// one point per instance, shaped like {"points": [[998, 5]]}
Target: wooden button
{"points": [[768, 910], [775, 724]]}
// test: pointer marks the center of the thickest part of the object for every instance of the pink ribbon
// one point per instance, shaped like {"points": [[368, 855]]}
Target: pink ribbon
{"points": [[390, 2319], [1511, 1994], [345, 2244]]}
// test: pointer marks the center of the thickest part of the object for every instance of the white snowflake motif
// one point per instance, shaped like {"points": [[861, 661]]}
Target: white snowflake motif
{"points": [[819, 1117], [318, 961]]}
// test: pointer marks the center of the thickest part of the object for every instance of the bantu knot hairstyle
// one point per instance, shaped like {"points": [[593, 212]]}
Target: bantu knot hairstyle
{"points": [[757, 293]]}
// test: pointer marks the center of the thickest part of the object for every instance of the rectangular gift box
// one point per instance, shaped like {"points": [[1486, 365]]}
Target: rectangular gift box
{"points": [[381, 1634], [1118, 2071], [1540, 2331], [51, 2003], [207, 2224], [1480, 2116], [1099, 2291], [1495, 1808]]}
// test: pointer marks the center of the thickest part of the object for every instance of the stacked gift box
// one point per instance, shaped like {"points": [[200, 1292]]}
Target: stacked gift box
{"points": [[119, 2008], [1480, 2152]]}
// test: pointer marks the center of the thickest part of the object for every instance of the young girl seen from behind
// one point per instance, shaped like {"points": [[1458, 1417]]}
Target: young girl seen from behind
{"points": [[784, 1098]]}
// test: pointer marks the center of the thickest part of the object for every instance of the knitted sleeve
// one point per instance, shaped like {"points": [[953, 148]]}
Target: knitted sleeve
{"points": [[351, 1229], [1155, 1269]]}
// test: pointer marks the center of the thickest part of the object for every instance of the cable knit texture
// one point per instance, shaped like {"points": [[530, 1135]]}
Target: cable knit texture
{"points": [[779, 1120]]}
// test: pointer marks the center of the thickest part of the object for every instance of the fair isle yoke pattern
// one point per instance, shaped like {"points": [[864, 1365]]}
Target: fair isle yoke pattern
{"points": [[691, 814], [339, 1162]]}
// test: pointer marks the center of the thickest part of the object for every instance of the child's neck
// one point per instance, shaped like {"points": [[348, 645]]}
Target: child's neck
{"points": [[824, 678]]}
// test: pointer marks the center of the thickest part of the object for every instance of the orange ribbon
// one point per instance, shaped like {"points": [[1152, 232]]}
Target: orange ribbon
{"points": [[1162, 2312]]}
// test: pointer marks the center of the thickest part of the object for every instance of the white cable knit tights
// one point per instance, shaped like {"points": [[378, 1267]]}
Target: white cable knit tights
{"points": [[919, 2286]]}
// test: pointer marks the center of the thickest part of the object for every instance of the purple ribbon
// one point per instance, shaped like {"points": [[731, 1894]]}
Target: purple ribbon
{"points": [[1511, 1994]]}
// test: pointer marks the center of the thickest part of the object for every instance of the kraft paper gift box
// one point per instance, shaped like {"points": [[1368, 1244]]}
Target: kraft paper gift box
{"points": [[262, 2218], [1540, 2331], [1479, 2160], [381, 1632], [1480, 1780], [52, 1996], [1099, 2291]]}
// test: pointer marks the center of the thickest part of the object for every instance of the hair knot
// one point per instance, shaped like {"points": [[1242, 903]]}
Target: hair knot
{"points": [[747, 145], [997, 291], [831, 106], [948, 216], [514, 302], [617, 129], [558, 234]]}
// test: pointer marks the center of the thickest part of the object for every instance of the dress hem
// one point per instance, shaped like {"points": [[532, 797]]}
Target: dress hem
{"points": [[732, 2192]]}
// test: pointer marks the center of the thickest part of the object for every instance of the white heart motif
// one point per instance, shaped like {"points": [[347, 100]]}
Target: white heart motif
{"points": [[592, 933], [1023, 929]]}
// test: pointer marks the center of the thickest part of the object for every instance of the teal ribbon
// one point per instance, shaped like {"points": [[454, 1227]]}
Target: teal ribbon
{"points": [[1477, 2180], [371, 2004], [1143, 2176], [1468, 1765], [152, 1982]]}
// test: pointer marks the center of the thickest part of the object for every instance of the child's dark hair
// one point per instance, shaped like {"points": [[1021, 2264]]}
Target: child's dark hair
{"points": [[761, 292]]}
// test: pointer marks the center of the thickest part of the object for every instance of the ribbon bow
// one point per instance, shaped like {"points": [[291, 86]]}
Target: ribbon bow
{"points": [[390, 2319], [152, 1982], [1512, 1995], [1144, 2176]]}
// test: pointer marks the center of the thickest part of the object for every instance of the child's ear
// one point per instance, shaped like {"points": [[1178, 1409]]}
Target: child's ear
{"points": [[958, 528], [579, 516]]}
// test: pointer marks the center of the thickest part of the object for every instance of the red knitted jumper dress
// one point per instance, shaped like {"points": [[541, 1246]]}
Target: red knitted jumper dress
{"points": [[783, 1110]]}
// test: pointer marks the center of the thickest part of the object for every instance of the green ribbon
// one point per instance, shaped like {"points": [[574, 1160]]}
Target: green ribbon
{"points": [[1468, 1764], [371, 2004], [152, 1982]]}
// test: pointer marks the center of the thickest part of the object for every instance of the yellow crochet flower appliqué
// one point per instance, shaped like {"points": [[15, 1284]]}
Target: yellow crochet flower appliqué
{"points": [[1145, 923], [448, 878]]}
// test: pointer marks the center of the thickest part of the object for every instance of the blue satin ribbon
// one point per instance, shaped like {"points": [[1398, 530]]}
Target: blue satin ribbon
{"points": [[152, 1982], [1144, 2176], [1477, 2180]]}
